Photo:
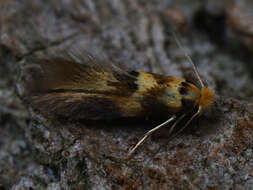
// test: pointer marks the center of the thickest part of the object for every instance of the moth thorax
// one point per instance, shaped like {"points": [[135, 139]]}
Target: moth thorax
{"points": [[206, 99]]}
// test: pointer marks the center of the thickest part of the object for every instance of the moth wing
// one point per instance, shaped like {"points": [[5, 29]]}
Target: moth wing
{"points": [[73, 70], [75, 85]]}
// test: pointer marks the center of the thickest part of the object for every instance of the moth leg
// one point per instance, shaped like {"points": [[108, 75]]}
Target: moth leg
{"points": [[170, 131], [148, 134], [188, 122], [174, 125]]}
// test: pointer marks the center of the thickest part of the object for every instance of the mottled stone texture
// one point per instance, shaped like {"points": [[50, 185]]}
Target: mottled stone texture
{"points": [[214, 152]]}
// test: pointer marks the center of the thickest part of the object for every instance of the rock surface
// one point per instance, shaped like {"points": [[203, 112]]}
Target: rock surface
{"points": [[214, 152]]}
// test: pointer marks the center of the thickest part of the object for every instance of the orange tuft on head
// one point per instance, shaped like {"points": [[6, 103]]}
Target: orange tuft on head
{"points": [[207, 98]]}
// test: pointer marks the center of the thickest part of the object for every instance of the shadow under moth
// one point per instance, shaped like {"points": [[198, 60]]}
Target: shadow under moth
{"points": [[81, 87]]}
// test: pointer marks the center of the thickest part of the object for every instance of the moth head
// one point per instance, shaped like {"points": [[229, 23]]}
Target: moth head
{"points": [[206, 99]]}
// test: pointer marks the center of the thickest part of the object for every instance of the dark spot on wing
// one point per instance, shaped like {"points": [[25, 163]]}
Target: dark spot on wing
{"points": [[134, 73], [190, 81], [161, 80], [132, 85], [185, 88], [126, 84], [185, 84], [183, 91]]}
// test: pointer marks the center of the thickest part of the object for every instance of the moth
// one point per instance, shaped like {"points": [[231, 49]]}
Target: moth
{"points": [[81, 87]]}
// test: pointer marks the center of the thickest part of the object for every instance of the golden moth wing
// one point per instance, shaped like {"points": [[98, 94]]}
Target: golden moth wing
{"points": [[78, 86], [75, 71]]}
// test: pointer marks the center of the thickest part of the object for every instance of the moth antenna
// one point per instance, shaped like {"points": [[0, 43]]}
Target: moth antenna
{"points": [[188, 57]]}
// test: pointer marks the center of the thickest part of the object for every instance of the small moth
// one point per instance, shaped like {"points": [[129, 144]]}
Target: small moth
{"points": [[80, 87]]}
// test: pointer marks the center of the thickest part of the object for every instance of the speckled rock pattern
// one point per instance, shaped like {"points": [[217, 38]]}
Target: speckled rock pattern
{"points": [[214, 152]]}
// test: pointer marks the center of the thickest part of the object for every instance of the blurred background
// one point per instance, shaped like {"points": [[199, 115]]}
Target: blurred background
{"points": [[217, 35]]}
